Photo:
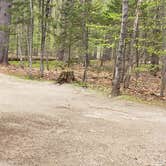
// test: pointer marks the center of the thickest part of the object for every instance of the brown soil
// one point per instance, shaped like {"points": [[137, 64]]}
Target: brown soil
{"points": [[146, 86], [42, 124]]}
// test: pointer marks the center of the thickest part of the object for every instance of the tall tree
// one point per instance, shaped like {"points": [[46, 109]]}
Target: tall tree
{"points": [[163, 79], [4, 30], [85, 36], [30, 36], [45, 9], [133, 44], [116, 84]]}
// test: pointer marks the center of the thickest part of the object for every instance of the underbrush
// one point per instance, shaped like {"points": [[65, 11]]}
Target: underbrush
{"points": [[36, 64], [144, 85]]}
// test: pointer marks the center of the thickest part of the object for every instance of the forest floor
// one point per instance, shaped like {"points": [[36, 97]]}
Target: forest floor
{"points": [[44, 124], [143, 86]]}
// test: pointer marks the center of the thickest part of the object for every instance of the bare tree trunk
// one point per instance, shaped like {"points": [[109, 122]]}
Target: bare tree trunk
{"points": [[61, 53], [95, 53], [4, 31], [133, 43], [155, 57], [85, 40], [30, 37], [124, 63], [69, 56], [163, 79], [145, 53], [45, 14], [119, 62], [19, 35], [43, 36], [17, 54]]}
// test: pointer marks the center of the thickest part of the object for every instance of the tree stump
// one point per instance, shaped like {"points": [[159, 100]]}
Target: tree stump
{"points": [[66, 77]]}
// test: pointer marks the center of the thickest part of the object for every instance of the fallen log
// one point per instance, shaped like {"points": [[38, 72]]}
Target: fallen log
{"points": [[33, 58]]}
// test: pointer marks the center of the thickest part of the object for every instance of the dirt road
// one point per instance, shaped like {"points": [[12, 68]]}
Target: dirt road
{"points": [[42, 124]]}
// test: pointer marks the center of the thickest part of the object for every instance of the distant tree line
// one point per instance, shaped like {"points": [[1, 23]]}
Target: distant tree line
{"points": [[127, 32]]}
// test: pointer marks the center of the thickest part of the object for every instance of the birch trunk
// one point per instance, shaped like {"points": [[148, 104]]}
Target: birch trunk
{"points": [[133, 43], [116, 84]]}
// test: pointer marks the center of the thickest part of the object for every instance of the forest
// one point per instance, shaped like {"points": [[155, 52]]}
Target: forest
{"points": [[82, 82], [113, 45]]}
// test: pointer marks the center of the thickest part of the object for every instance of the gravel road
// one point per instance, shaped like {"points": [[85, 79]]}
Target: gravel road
{"points": [[43, 124]]}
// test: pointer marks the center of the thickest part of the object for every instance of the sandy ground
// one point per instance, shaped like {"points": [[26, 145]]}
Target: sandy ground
{"points": [[42, 124]]}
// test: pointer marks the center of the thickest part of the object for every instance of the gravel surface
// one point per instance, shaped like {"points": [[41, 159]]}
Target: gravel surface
{"points": [[43, 124]]}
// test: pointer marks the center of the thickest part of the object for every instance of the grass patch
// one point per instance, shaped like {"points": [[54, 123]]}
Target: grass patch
{"points": [[97, 88], [147, 68], [27, 77], [132, 98], [107, 91], [36, 64], [142, 101], [96, 66]]}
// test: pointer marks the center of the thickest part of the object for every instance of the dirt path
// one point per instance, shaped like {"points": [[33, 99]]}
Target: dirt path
{"points": [[42, 124]]}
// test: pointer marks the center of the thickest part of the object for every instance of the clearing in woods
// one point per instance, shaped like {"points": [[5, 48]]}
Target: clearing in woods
{"points": [[43, 124]]}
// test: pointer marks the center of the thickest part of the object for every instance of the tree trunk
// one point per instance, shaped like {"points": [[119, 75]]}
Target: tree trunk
{"points": [[4, 31], [85, 39], [119, 62], [30, 37], [163, 74], [163, 79], [133, 50], [155, 57], [61, 53], [45, 13], [19, 35]]}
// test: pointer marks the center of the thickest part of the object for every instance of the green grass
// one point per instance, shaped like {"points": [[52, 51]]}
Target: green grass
{"points": [[142, 101], [36, 64], [27, 77], [97, 88], [147, 68], [107, 66], [132, 98], [106, 92]]}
